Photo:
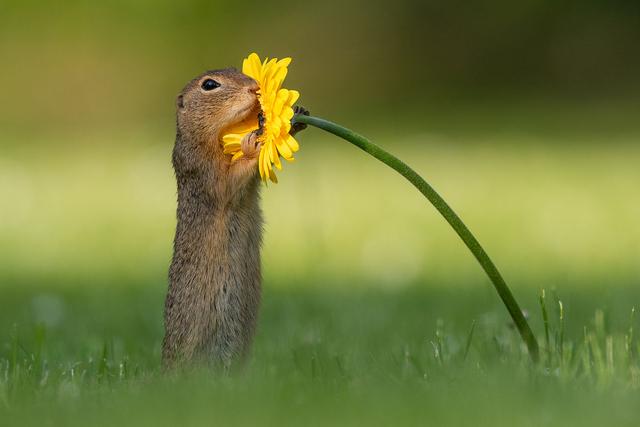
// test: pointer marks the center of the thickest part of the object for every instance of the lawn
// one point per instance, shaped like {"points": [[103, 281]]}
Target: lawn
{"points": [[353, 358], [373, 312]]}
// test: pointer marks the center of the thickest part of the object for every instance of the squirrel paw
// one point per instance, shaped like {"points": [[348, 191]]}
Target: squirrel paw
{"points": [[250, 145], [297, 127]]}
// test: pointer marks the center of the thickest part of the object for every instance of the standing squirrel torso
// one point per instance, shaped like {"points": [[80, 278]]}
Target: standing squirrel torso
{"points": [[214, 278]]}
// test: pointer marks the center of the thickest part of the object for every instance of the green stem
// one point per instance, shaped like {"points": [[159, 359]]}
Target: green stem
{"points": [[438, 202]]}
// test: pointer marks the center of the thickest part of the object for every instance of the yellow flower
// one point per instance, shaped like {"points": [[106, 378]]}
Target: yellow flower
{"points": [[277, 109]]}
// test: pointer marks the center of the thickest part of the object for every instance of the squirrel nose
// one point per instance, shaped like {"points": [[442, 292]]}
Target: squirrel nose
{"points": [[253, 88]]}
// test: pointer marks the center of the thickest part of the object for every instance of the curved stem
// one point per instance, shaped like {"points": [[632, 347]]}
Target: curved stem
{"points": [[445, 210]]}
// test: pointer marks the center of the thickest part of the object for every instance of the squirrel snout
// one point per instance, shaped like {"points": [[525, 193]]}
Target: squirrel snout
{"points": [[253, 87]]}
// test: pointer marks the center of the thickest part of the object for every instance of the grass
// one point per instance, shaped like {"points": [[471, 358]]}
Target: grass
{"points": [[374, 313], [374, 357]]}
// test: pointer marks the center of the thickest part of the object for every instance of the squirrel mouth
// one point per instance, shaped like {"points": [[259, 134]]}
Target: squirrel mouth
{"points": [[245, 117], [250, 112]]}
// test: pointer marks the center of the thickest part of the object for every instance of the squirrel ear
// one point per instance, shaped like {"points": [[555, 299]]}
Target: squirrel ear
{"points": [[180, 102]]}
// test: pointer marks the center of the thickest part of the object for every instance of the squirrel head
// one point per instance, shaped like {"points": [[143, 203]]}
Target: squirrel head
{"points": [[215, 101]]}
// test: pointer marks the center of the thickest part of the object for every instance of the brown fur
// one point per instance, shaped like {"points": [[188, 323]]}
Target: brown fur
{"points": [[214, 278]]}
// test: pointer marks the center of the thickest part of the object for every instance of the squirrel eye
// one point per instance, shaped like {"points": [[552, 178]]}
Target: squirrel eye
{"points": [[210, 84]]}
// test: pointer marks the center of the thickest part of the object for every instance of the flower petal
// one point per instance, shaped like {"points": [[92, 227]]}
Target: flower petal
{"points": [[284, 149], [261, 163], [293, 97], [251, 66], [293, 144], [236, 156]]}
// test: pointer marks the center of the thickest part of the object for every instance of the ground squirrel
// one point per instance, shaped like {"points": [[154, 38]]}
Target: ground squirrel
{"points": [[214, 278]]}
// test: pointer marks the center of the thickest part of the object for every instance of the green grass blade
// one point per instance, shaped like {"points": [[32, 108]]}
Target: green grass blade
{"points": [[545, 319], [469, 339]]}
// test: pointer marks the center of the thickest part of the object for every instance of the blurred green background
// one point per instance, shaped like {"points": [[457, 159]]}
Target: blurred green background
{"points": [[524, 115]]}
